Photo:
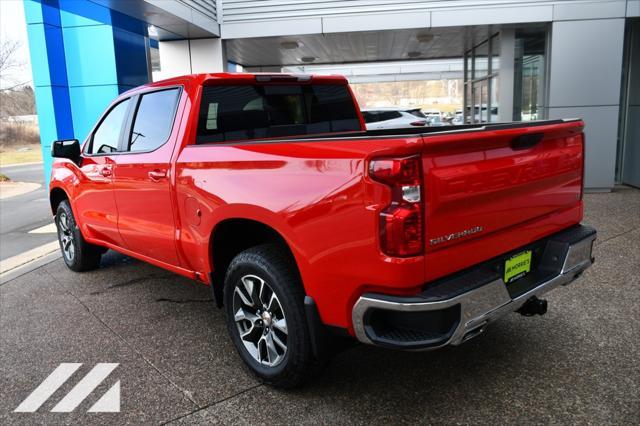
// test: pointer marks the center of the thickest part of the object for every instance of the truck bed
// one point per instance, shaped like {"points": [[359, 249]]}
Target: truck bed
{"points": [[418, 131]]}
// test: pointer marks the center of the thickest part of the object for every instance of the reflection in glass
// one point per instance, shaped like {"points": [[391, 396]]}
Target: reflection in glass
{"points": [[481, 102], [484, 110], [529, 74], [495, 85], [481, 60]]}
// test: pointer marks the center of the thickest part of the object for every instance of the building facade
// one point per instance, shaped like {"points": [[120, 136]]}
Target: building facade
{"points": [[520, 60]]}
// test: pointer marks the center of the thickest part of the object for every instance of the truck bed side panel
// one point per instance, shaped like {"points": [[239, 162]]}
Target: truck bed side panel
{"points": [[314, 194]]}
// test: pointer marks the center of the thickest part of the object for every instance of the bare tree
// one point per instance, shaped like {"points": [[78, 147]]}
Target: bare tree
{"points": [[8, 61], [16, 97]]}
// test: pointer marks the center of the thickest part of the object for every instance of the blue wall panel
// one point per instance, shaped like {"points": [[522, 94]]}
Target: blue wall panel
{"points": [[90, 55], [82, 56], [42, 11], [46, 49], [81, 13], [88, 104], [131, 58]]}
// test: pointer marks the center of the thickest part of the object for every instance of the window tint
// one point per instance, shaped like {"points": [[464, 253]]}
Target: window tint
{"points": [[369, 116], [254, 112], [376, 116], [106, 137], [154, 120], [391, 115]]}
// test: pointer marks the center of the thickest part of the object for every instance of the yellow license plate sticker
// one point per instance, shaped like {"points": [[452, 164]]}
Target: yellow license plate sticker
{"points": [[517, 266]]}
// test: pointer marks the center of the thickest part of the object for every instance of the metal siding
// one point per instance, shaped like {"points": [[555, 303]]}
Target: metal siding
{"points": [[205, 7], [251, 10]]}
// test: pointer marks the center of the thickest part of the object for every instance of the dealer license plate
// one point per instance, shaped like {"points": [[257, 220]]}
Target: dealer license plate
{"points": [[517, 266]]}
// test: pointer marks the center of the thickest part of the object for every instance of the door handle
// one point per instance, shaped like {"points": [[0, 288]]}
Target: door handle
{"points": [[106, 172], [157, 174]]}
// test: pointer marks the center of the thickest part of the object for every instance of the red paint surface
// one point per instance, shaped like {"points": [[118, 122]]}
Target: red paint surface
{"points": [[318, 196]]}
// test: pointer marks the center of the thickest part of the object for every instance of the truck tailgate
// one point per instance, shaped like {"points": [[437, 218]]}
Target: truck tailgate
{"points": [[500, 187]]}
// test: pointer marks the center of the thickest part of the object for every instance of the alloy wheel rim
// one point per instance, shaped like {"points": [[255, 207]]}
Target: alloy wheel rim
{"points": [[260, 320], [66, 237]]}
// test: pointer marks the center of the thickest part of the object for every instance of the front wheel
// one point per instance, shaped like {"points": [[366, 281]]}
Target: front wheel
{"points": [[78, 254], [264, 305]]}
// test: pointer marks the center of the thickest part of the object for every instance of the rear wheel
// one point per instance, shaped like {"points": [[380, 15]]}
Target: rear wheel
{"points": [[78, 254], [264, 305]]}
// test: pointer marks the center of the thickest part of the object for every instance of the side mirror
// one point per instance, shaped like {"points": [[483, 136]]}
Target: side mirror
{"points": [[69, 148]]}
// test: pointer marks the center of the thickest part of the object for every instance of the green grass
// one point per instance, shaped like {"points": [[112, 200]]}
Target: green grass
{"points": [[4, 178], [13, 156]]}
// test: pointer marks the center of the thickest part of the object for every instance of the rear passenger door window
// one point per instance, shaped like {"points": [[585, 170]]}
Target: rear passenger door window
{"points": [[153, 120]]}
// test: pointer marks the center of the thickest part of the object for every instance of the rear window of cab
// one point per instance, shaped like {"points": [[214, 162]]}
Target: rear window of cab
{"points": [[245, 112]]}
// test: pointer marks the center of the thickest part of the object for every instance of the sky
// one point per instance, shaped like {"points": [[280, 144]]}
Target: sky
{"points": [[13, 26]]}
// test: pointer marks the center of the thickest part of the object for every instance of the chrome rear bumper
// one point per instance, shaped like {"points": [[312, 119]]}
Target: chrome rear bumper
{"points": [[461, 307]]}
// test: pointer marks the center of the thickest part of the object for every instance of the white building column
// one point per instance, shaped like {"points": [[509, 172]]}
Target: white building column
{"points": [[174, 59], [208, 55], [585, 78], [506, 76], [180, 57]]}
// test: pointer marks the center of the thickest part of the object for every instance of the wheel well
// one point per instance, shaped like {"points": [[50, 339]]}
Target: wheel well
{"points": [[56, 196], [232, 236]]}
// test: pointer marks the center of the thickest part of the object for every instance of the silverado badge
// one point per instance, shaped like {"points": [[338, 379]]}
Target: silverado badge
{"points": [[456, 235]]}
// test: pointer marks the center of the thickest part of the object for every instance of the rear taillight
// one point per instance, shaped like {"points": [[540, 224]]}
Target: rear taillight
{"points": [[584, 149], [401, 226], [418, 123]]}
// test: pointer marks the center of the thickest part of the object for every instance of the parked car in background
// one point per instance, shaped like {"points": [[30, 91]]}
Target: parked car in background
{"points": [[310, 229], [393, 118], [458, 118], [435, 117], [437, 121], [481, 114]]}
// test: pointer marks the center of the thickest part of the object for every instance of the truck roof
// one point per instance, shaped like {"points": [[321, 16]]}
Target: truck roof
{"points": [[203, 78]]}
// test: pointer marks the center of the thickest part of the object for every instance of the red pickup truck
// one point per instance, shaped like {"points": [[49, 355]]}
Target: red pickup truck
{"points": [[310, 229]]}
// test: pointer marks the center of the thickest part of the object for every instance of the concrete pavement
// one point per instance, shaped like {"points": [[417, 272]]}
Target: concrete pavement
{"points": [[577, 364], [24, 213]]}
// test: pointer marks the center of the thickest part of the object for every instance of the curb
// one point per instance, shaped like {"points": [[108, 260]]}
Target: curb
{"points": [[22, 263]]}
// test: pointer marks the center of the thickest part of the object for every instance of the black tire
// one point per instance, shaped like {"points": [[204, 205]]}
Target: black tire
{"points": [[78, 254], [272, 264]]}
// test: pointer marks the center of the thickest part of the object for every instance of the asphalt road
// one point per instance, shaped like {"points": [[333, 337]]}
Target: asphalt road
{"points": [[24, 213], [578, 364]]}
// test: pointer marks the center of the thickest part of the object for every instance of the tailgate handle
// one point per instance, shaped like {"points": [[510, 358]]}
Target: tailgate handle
{"points": [[526, 141]]}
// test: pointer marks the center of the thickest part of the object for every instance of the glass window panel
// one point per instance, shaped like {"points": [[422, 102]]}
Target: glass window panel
{"points": [[254, 112], [107, 135], [154, 120], [529, 74], [481, 60], [476, 103], [484, 95], [494, 110], [468, 115], [495, 54]]}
